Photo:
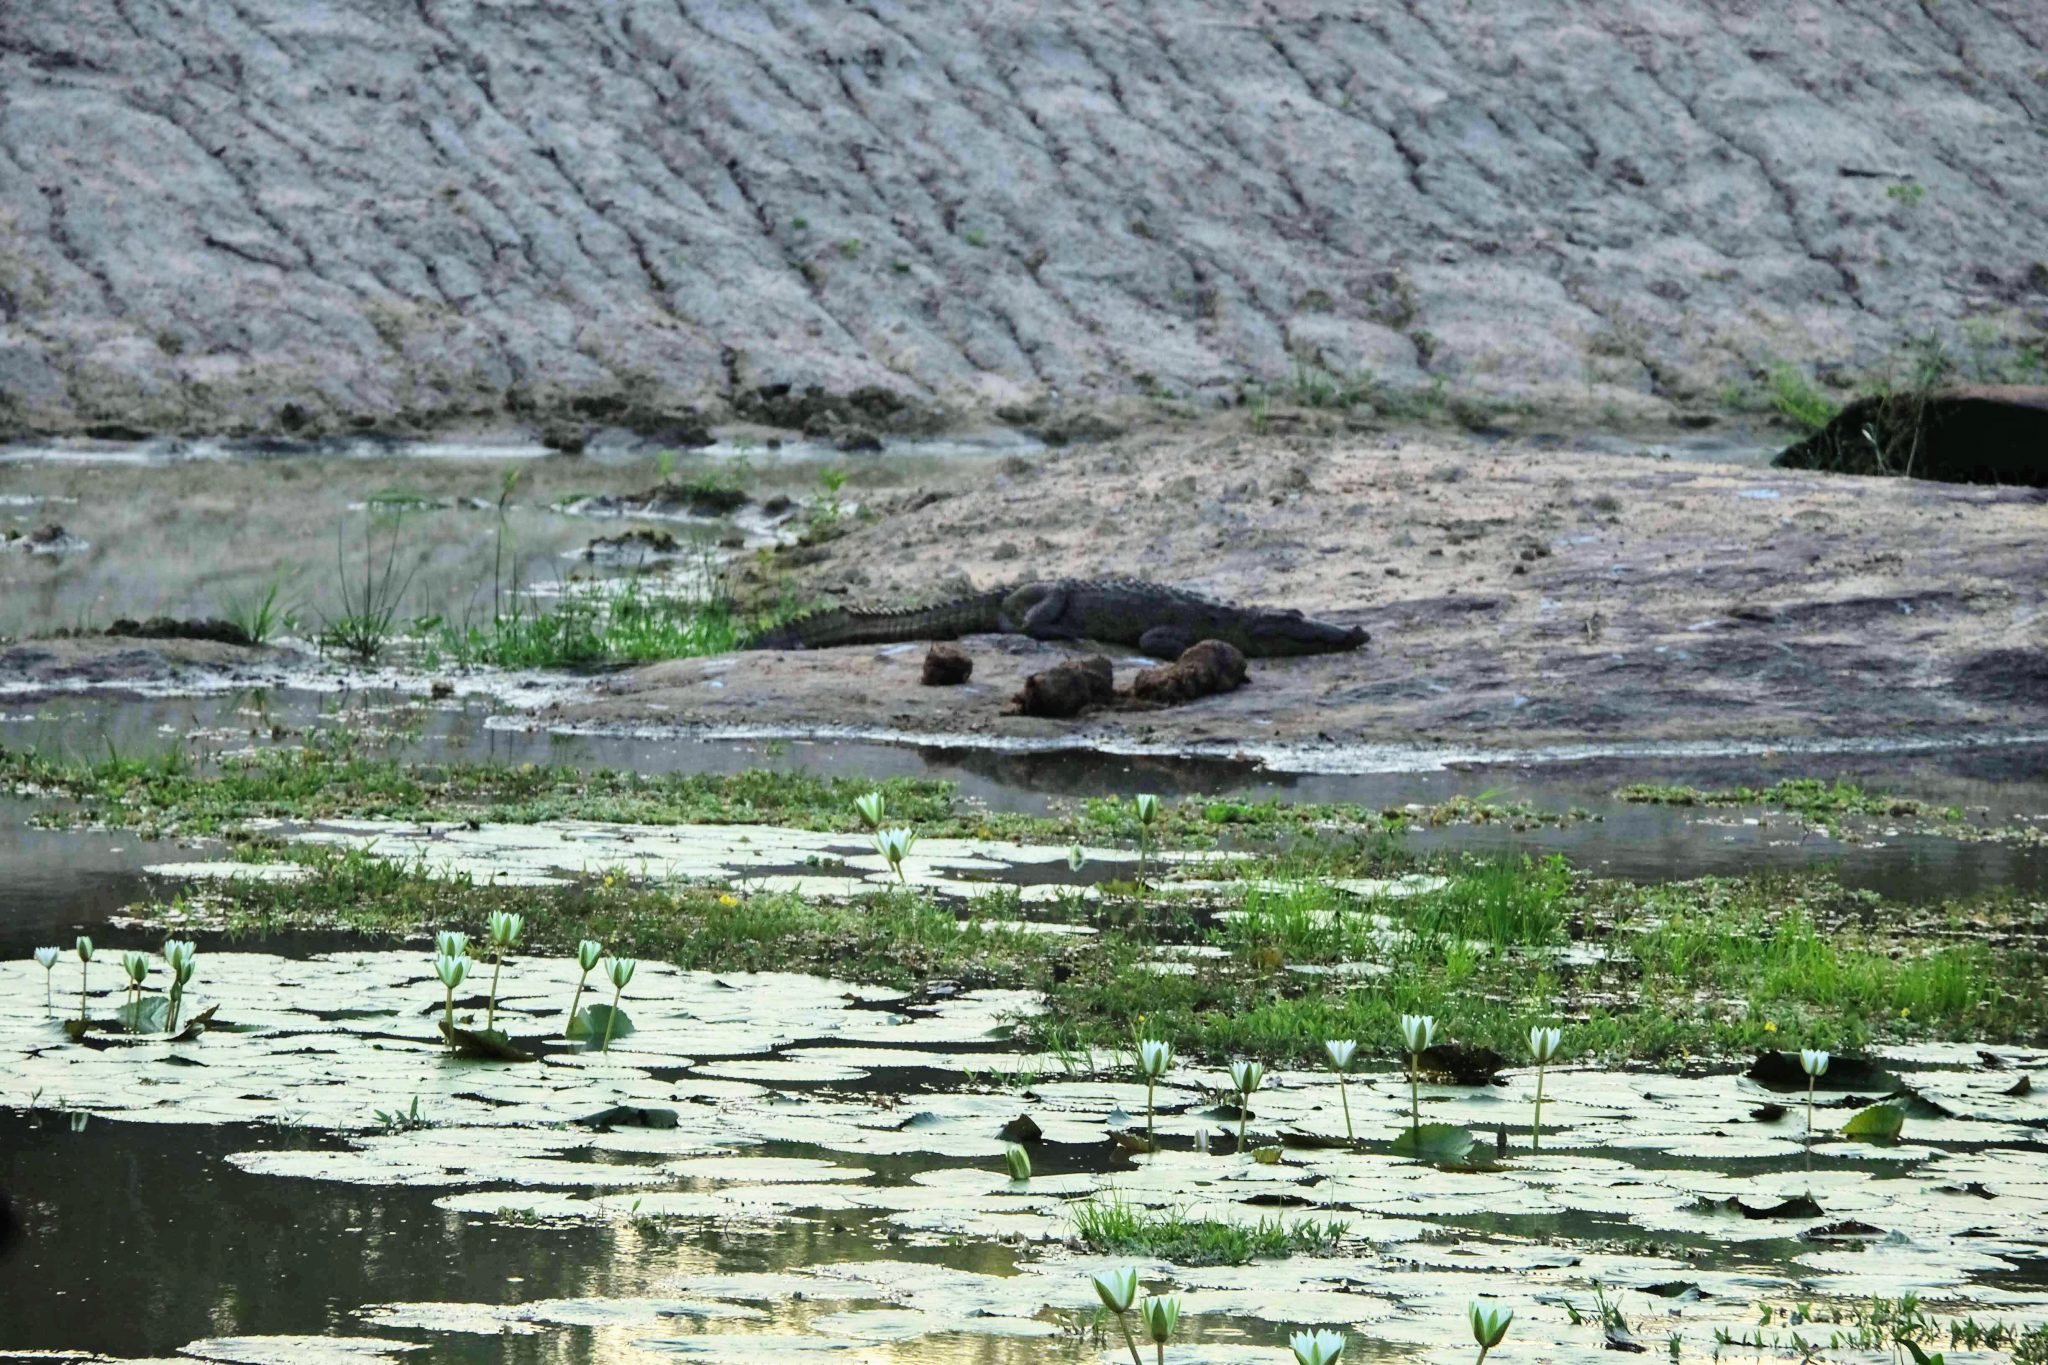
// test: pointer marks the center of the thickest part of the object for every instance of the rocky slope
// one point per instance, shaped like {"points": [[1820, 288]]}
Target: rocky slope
{"points": [[266, 215]]}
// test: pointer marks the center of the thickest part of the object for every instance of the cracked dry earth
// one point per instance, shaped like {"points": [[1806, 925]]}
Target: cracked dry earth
{"points": [[1518, 597], [262, 215]]}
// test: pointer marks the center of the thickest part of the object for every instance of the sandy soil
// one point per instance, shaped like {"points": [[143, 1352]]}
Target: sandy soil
{"points": [[1518, 596]]}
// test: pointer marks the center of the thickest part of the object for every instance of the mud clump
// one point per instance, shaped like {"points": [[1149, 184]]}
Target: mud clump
{"points": [[666, 500], [1995, 435], [946, 665], [169, 628], [1204, 669], [636, 543], [1067, 689]]}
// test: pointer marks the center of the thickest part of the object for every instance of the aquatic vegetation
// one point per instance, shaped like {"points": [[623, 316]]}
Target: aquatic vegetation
{"points": [[84, 949], [1245, 1076], [1543, 1044], [1316, 1348], [450, 943], [894, 845], [620, 970], [1147, 807], [137, 967], [369, 614], [1814, 1063], [1340, 1051], [588, 952], [181, 956], [1489, 1325], [1111, 1226], [505, 928], [1879, 1123], [1019, 1162], [1118, 1289], [1161, 1315], [1418, 1032], [410, 1120], [46, 958], [1154, 1057], [871, 807], [453, 970]]}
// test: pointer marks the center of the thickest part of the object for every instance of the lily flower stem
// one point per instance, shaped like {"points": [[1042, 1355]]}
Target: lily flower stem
{"points": [[1809, 1110], [81, 992], [1482, 1357], [611, 1019], [1244, 1114], [448, 1016], [1149, 1084], [1123, 1320], [1344, 1094], [176, 997], [491, 1010], [1415, 1103], [1536, 1131], [577, 998]]}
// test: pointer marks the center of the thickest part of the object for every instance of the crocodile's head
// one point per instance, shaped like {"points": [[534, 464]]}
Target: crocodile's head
{"points": [[1289, 632]]}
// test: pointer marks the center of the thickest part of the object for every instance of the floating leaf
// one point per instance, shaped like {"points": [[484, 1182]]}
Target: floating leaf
{"points": [[1878, 1123], [1441, 1144], [1799, 1207], [148, 1015], [590, 1022], [1768, 1113], [1266, 1156], [488, 1044], [2023, 1086], [1133, 1141]]}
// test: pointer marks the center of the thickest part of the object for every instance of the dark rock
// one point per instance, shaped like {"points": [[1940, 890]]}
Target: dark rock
{"points": [[630, 1116], [1203, 670], [779, 505], [1067, 689], [634, 544], [946, 665], [1462, 1064], [858, 441], [1995, 435], [570, 440], [1782, 1071], [1023, 1128], [167, 628]]}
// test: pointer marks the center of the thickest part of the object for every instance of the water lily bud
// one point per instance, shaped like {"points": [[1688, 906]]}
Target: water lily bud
{"points": [[620, 970], [588, 951], [1246, 1076], [1489, 1323], [1814, 1061], [1317, 1348], [1154, 1057], [46, 958], [1076, 858], [1148, 808], [84, 948], [1340, 1052], [1019, 1162], [870, 808], [894, 844], [451, 970], [505, 927], [1161, 1314], [1543, 1042], [1117, 1288], [448, 943], [137, 967], [1418, 1031]]}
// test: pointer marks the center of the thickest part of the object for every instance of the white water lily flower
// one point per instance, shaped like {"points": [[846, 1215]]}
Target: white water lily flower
{"points": [[1154, 1056], [894, 845], [1117, 1288], [620, 970], [870, 808], [1019, 1162], [1418, 1031], [1148, 807], [1340, 1052], [180, 954], [1814, 1061], [1489, 1323], [588, 951], [1246, 1076], [506, 926], [452, 969], [1161, 1313], [46, 958], [1543, 1043], [448, 943], [1317, 1348], [137, 967], [84, 948]]}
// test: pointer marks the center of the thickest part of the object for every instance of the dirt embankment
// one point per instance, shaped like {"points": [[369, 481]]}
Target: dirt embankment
{"points": [[267, 216], [1516, 597]]}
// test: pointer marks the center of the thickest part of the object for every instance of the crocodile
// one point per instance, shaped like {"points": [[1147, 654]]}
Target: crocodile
{"points": [[1159, 621]]}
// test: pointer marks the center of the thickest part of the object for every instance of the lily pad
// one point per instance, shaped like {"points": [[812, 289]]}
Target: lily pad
{"points": [[1878, 1123], [147, 1015], [1441, 1144], [488, 1044], [590, 1023]]}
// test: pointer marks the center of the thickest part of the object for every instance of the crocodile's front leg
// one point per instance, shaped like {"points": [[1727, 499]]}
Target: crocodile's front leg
{"points": [[1045, 619]]}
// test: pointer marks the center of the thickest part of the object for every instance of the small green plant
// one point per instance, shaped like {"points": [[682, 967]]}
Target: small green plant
{"points": [[1341, 1051], [1543, 1043], [851, 248], [46, 958], [1907, 192], [1245, 1076], [369, 613], [1118, 1289], [182, 957], [505, 927], [1019, 1162], [1795, 398], [1418, 1032], [402, 1120], [1112, 1227], [588, 952], [620, 970], [976, 237], [1161, 1315], [1489, 1325], [1154, 1057], [257, 616]]}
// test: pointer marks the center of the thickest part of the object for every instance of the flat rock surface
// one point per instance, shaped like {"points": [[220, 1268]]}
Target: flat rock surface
{"points": [[263, 215], [1516, 597]]}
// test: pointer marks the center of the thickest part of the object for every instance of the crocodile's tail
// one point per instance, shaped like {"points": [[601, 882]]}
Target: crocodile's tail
{"points": [[843, 626]]}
